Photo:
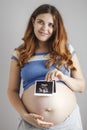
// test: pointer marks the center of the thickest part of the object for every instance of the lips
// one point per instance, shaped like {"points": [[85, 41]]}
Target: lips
{"points": [[43, 33]]}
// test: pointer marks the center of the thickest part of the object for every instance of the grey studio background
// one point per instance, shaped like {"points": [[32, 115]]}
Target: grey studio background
{"points": [[14, 15]]}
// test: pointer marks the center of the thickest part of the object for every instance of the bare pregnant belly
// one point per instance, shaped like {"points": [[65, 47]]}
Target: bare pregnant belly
{"points": [[54, 108]]}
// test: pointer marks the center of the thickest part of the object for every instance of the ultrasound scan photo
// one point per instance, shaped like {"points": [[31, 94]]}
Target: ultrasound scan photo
{"points": [[44, 88]]}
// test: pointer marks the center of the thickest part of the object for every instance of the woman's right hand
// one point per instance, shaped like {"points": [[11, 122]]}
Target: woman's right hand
{"points": [[37, 120]]}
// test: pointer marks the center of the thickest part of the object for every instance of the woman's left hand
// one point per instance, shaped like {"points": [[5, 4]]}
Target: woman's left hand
{"points": [[54, 75]]}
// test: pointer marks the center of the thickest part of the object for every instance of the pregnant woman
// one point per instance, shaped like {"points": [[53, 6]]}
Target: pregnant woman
{"points": [[46, 55]]}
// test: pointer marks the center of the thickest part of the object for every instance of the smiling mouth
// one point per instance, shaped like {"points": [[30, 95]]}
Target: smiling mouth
{"points": [[43, 33]]}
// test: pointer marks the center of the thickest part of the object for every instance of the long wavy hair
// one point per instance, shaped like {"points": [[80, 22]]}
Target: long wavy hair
{"points": [[59, 53]]}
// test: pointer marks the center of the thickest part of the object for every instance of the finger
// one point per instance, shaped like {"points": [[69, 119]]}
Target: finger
{"points": [[44, 123], [50, 76], [56, 73], [47, 76], [53, 74], [35, 116], [47, 123]]}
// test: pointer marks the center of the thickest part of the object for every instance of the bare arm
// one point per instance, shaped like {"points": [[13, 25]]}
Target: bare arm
{"points": [[76, 82], [13, 94], [14, 88]]}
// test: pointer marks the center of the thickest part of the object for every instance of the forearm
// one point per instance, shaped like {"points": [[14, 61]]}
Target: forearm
{"points": [[76, 85], [16, 102]]}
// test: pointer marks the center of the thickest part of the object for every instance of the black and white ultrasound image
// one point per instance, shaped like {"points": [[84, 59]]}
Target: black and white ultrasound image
{"points": [[45, 87]]}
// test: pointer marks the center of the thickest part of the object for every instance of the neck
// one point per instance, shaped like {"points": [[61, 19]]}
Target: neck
{"points": [[42, 47]]}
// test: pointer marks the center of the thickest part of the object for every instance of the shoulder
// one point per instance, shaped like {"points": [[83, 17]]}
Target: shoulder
{"points": [[15, 55], [71, 49]]}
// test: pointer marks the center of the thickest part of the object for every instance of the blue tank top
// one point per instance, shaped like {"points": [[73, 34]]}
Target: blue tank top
{"points": [[35, 68]]}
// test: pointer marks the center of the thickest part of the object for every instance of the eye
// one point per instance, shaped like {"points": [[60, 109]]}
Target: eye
{"points": [[51, 25], [40, 22]]}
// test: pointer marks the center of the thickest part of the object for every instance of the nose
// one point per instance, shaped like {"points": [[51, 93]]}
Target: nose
{"points": [[45, 27]]}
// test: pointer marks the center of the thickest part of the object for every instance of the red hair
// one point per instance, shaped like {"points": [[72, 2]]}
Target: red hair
{"points": [[59, 53]]}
